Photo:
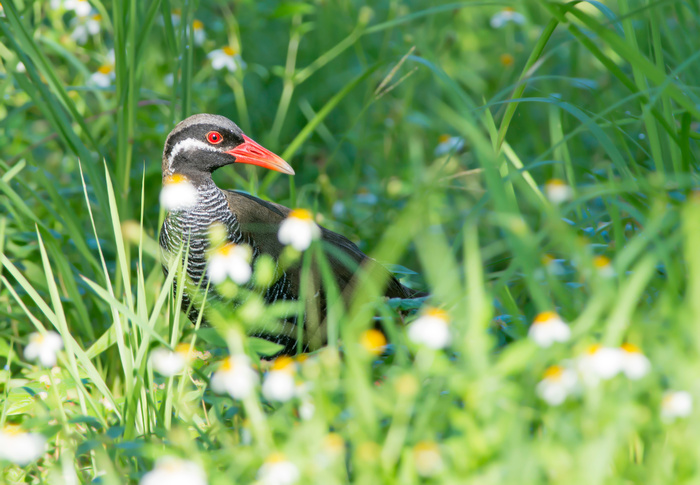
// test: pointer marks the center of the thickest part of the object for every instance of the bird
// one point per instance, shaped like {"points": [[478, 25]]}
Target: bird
{"points": [[193, 150]]}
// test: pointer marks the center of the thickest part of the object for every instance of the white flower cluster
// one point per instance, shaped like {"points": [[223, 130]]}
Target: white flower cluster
{"points": [[597, 364]]}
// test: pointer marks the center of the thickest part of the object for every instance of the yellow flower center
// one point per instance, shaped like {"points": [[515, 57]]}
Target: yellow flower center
{"points": [[554, 372], [507, 60], [227, 365], [631, 348], [301, 214], [373, 340], [593, 349], [333, 442], [556, 183], [175, 178], [283, 363], [444, 138], [229, 51], [547, 259], [12, 429], [197, 24], [184, 350], [97, 17], [545, 317], [601, 262], [437, 313], [276, 457], [105, 69], [509, 9], [426, 446], [176, 11], [301, 358], [37, 338]]}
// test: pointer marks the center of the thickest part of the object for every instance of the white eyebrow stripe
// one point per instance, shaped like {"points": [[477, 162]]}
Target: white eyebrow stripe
{"points": [[188, 144]]}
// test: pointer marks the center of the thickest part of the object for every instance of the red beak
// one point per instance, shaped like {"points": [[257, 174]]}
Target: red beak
{"points": [[253, 153]]}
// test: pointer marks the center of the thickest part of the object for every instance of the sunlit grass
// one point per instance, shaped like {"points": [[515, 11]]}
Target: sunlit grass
{"points": [[542, 171]]}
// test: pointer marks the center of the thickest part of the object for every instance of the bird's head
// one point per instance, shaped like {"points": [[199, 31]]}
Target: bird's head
{"points": [[202, 143]]}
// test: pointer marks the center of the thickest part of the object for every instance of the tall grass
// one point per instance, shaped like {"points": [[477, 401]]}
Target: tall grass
{"points": [[355, 96]]}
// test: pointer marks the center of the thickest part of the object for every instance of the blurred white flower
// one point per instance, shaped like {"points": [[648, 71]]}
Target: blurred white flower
{"points": [[175, 16], [277, 470], [169, 79], [448, 144], [558, 191], [548, 328], [553, 265], [634, 363], [599, 363], [279, 381], [105, 73], [232, 261], [43, 347], [506, 15], [235, 377], [199, 35], [307, 409], [226, 57], [169, 363], [558, 383], [178, 193], [431, 329], [373, 341], [175, 471], [603, 266], [82, 8], [21, 67], [427, 458], [83, 27], [21, 447], [298, 230], [676, 404]]}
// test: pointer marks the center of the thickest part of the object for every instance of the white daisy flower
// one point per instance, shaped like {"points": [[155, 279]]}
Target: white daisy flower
{"points": [[634, 363], [199, 35], [676, 404], [448, 144], [169, 363], [21, 67], [178, 193], [82, 8], [599, 363], [427, 458], [21, 447], [83, 27], [277, 470], [230, 261], [279, 382], [226, 57], [558, 191], [558, 383], [235, 377], [506, 15], [431, 329], [603, 266], [105, 73], [175, 16], [175, 471], [43, 347], [298, 230], [548, 328]]}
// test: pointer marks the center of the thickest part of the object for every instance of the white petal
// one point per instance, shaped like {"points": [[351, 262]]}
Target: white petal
{"points": [[278, 386]]}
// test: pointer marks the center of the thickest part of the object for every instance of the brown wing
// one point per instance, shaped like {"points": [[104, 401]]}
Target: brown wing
{"points": [[260, 221]]}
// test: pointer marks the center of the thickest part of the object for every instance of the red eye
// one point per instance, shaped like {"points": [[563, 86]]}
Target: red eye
{"points": [[214, 137]]}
